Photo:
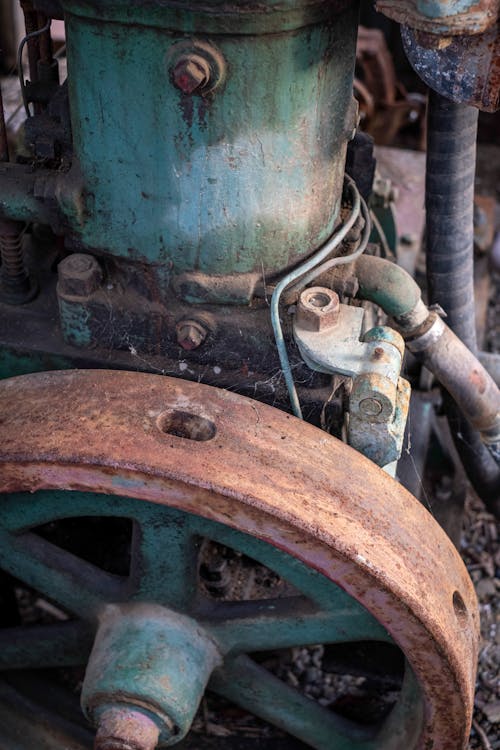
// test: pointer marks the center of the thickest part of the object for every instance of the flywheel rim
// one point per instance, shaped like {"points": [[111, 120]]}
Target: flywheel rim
{"points": [[56, 424]]}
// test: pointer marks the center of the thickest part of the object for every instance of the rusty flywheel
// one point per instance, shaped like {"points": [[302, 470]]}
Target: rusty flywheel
{"points": [[236, 466]]}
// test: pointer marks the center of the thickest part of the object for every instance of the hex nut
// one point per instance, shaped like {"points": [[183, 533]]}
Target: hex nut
{"points": [[190, 334], [79, 275], [191, 74], [195, 66], [318, 309]]}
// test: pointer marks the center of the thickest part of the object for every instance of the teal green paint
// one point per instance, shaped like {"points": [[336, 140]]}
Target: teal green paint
{"points": [[169, 528], [75, 322], [162, 658], [390, 336], [387, 284], [275, 629], [163, 535], [445, 8], [16, 196], [387, 220], [13, 362], [212, 17], [247, 178], [243, 682], [67, 645]]}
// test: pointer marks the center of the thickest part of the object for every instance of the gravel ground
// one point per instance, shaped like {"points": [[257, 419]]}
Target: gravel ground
{"points": [[481, 552], [480, 549]]}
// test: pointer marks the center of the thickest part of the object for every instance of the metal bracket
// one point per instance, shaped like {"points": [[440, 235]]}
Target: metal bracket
{"points": [[379, 398]]}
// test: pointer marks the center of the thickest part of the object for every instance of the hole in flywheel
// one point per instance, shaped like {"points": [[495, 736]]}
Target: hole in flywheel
{"points": [[459, 607], [183, 424]]}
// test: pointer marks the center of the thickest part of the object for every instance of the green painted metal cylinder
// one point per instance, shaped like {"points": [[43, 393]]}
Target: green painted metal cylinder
{"points": [[242, 175], [150, 659]]}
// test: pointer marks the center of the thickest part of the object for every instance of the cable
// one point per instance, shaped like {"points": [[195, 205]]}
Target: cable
{"points": [[20, 71], [381, 235], [60, 52], [332, 243], [343, 259]]}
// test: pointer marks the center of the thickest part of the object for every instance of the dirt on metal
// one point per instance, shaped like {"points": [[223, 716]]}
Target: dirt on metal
{"points": [[274, 477]]}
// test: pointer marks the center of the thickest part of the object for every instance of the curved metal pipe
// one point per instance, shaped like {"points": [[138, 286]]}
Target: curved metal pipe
{"points": [[451, 162], [442, 352]]}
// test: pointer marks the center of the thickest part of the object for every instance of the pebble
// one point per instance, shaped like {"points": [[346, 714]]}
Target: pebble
{"points": [[492, 711]]}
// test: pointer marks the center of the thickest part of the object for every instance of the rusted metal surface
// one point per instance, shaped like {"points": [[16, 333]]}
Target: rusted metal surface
{"points": [[461, 373], [444, 16], [190, 334], [274, 477], [16, 287], [79, 275], [385, 105], [126, 729], [464, 69], [318, 309]]}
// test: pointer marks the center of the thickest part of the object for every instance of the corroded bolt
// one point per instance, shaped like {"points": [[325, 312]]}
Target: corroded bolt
{"points": [[190, 334], [79, 275], [191, 74], [370, 407], [318, 309], [126, 729]]}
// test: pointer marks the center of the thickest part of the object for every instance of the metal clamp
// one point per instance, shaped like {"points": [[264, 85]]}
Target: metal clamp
{"points": [[329, 337]]}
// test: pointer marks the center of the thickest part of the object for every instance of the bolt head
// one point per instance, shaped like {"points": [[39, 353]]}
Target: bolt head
{"points": [[124, 728], [318, 309], [370, 407], [190, 334], [191, 74], [79, 275]]}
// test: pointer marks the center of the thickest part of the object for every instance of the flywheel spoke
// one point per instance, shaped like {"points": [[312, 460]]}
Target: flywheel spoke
{"points": [[256, 690], [283, 623], [73, 583], [62, 644], [165, 558]]}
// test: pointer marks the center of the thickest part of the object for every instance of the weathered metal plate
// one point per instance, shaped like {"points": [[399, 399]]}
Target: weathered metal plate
{"points": [[443, 16], [465, 69], [267, 474]]}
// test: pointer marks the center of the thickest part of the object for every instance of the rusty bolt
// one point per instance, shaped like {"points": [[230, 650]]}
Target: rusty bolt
{"points": [[79, 275], [370, 407], [318, 309], [190, 334], [126, 729], [191, 74]]}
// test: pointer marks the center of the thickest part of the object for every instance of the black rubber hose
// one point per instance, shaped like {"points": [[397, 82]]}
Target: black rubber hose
{"points": [[451, 164]]}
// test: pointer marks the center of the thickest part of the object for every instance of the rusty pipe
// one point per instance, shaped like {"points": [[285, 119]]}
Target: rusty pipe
{"points": [[461, 373], [492, 363], [434, 344]]}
